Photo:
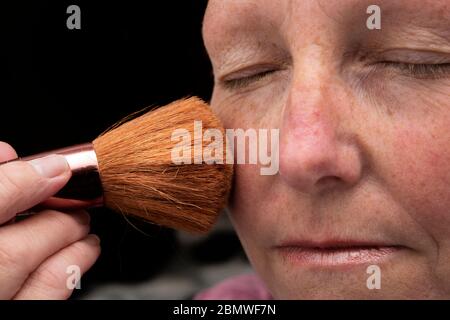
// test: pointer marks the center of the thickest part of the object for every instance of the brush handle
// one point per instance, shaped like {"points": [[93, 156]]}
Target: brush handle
{"points": [[84, 189]]}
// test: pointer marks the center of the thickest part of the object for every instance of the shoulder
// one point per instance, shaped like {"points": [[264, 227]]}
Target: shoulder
{"points": [[241, 287]]}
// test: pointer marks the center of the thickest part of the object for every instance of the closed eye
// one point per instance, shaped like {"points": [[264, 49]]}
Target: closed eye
{"points": [[244, 81], [421, 71]]}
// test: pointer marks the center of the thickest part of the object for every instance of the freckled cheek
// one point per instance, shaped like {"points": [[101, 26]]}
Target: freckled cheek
{"points": [[422, 174], [259, 109], [252, 205], [251, 195], [246, 195]]}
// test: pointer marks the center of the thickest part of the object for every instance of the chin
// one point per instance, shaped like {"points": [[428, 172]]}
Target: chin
{"points": [[400, 279], [346, 290]]}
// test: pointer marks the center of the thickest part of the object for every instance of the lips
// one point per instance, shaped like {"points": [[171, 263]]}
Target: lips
{"points": [[335, 253]]}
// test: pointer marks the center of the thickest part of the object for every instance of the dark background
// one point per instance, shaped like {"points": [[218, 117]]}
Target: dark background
{"points": [[62, 87]]}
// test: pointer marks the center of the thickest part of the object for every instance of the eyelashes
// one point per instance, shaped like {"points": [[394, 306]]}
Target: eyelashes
{"points": [[418, 71], [242, 82]]}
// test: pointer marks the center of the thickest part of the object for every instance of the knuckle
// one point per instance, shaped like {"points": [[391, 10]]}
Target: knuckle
{"points": [[8, 186], [15, 182], [46, 284], [68, 226], [57, 219], [50, 278], [83, 252], [11, 260]]}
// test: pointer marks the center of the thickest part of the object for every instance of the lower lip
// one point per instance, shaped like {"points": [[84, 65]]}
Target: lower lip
{"points": [[341, 256]]}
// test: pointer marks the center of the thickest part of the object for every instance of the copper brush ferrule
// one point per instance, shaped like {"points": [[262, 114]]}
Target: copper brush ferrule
{"points": [[84, 189]]}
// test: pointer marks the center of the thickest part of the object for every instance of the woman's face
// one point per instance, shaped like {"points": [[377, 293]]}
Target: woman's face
{"points": [[364, 120]]}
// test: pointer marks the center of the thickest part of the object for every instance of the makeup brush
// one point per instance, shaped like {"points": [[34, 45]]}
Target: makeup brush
{"points": [[130, 169]]}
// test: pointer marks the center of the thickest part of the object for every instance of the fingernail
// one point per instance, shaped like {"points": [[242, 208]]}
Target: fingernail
{"points": [[93, 239], [50, 166]]}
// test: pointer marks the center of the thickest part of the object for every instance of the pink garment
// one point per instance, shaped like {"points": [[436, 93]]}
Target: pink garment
{"points": [[242, 287]]}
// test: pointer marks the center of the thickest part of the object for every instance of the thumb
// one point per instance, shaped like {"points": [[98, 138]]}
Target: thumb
{"points": [[24, 184], [6, 152]]}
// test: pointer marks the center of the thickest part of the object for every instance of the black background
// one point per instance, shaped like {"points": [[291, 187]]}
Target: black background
{"points": [[62, 87]]}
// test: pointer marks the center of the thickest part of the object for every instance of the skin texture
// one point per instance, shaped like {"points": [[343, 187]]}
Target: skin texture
{"points": [[35, 252], [364, 146]]}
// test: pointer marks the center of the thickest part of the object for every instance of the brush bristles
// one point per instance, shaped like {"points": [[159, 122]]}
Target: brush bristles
{"points": [[140, 179]]}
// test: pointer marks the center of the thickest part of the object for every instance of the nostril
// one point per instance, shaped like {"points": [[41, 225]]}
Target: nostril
{"points": [[328, 181]]}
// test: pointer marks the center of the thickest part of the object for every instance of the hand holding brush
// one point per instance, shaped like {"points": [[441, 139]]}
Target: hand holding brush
{"points": [[129, 169]]}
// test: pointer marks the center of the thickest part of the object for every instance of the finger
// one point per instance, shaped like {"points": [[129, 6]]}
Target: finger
{"points": [[6, 152], [25, 244], [24, 184], [56, 277]]}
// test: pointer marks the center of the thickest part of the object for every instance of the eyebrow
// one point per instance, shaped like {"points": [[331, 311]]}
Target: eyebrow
{"points": [[426, 29], [433, 38], [426, 13]]}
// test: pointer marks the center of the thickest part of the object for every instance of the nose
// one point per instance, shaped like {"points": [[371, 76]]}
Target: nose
{"points": [[318, 151]]}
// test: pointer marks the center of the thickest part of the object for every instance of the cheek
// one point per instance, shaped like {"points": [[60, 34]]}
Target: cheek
{"points": [[422, 175], [249, 203], [252, 194], [245, 198], [259, 109], [413, 150]]}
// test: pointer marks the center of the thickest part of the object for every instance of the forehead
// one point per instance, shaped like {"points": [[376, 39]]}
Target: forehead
{"points": [[229, 21], [232, 11]]}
